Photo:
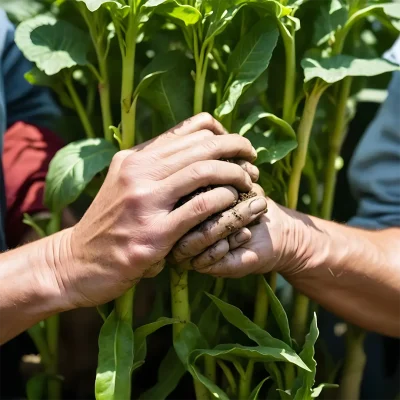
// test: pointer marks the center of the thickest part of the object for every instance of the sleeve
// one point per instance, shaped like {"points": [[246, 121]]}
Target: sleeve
{"points": [[24, 102], [374, 172], [27, 153]]}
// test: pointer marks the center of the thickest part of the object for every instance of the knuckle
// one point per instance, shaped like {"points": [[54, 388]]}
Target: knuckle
{"points": [[200, 205], [203, 170], [137, 196], [206, 118], [212, 146], [119, 157]]}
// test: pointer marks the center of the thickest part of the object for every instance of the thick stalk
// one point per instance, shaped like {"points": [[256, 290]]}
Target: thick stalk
{"points": [[128, 106], [335, 146], [301, 302], [354, 365], [245, 382], [181, 311], [200, 82], [52, 330], [80, 109], [289, 110], [261, 304]]}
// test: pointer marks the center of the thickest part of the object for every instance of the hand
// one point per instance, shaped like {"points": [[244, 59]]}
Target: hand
{"points": [[133, 222], [233, 253]]}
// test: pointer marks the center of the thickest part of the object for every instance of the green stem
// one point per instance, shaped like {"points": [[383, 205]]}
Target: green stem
{"points": [[354, 365], [229, 376], [245, 381], [124, 306], [181, 311], [303, 138], [301, 302], [128, 105], [261, 304], [273, 280], [52, 330], [38, 335], [80, 109], [289, 111], [335, 146]]}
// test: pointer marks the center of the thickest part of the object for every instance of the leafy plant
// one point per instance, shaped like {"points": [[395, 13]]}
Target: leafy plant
{"points": [[251, 64]]}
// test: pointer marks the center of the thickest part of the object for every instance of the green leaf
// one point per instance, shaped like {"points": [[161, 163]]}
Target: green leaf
{"points": [[272, 7], [235, 316], [254, 394], [318, 390], [179, 13], [271, 146], [21, 10], [52, 44], [279, 314], [141, 334], [336, 68], [218, 14], [72, 168], [284, 394], [169, 375], [36, 386], [305, 380], [258, 115], [30, 221], [189, 340], [333, 16], [94, 5], [229, 352], [171, 93], [116, 349], [248, 61]]}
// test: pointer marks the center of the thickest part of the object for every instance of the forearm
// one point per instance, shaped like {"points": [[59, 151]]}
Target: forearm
{"points": [[31, 289], [352, 272]]}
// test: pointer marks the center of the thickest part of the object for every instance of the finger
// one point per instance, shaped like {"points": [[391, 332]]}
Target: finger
{"points": [[199, 122], [218, 228], [236, 264], [258, 190], [212, 148], [212, 255], [239, 238], [201, 175], [201, 207], [251, 169]]}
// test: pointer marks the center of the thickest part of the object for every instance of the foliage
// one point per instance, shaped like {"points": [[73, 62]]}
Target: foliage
{"points": [[253, 65]]}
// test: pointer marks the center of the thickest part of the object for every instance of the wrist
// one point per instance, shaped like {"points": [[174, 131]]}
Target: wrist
{"points": [[52, 274]]}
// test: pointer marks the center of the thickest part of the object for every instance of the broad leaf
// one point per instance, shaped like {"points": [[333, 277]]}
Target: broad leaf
{"points": [[35, 387], [171, 93], [254, 394], [284, 394], [272, 7], [248, 61], [305, 380], [235, 316], [333, 16], [170, 373], [116, 349], [52, 44], [179, 13], [72, 168], [318, 390], [258, 115], [336, 68], [218, 14], [94, 5], [279, 314], [141, 334], [229, 352], [271, 146], [21, 10]]}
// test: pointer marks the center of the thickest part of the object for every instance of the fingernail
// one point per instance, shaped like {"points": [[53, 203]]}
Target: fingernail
{"points": [[254, 152], [241, 237], [258, 206]]}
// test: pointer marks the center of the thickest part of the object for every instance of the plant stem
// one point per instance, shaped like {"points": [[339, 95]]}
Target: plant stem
{"points": [[354, 365], [303, 138], [124, 306], [289, 112], [128, 106], [335, 145], [52, 330], [181, 310], [261, 304], [80, 109], [245, 382], [301, 302]]}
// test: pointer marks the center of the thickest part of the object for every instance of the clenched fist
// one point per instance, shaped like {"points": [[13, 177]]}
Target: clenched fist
{"points": [[134, 221]]}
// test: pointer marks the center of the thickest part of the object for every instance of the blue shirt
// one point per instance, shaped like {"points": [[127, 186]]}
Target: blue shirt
{"points": [[19, 101]]}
